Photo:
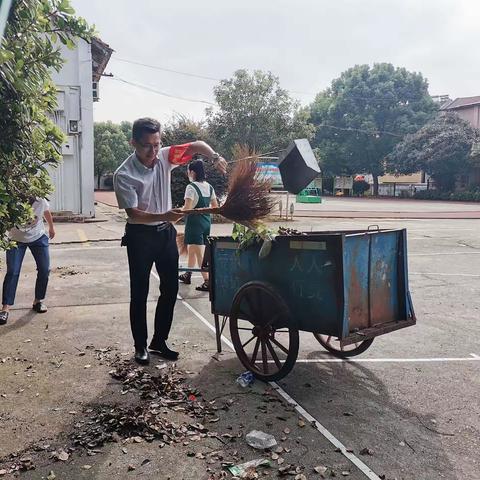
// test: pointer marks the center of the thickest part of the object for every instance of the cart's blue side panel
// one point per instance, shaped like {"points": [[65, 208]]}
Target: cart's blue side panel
{"points": [[304, 273], [355, 282], [335, 283], [384, 284]]}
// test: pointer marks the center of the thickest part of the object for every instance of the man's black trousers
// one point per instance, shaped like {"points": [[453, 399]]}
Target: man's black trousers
{"points": [[148, 245]]}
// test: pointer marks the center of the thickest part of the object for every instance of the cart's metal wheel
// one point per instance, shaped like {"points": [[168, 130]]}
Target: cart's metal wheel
{"points": [[262, 332], [332, 344]]}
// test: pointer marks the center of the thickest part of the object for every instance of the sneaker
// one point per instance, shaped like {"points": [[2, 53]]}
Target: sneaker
{"points": [[186, 278], [3, 317], [204, 287], [39, 307], [160, 348]]}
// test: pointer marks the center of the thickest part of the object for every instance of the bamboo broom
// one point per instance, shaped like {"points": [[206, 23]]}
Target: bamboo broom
{"points": [[248, 198]]}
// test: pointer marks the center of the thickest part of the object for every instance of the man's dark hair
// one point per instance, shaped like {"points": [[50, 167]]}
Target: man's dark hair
{"points": [[197, 167], [144, 125]]}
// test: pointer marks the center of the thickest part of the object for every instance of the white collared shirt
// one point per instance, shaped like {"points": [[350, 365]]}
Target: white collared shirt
{"points": [[148, 189]]}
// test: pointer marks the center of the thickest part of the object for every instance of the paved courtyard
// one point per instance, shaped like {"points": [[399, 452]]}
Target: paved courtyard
{"points": [[407, 408]]}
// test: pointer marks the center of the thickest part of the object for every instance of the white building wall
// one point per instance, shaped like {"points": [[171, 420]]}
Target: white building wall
{"points": [[74, 178]]}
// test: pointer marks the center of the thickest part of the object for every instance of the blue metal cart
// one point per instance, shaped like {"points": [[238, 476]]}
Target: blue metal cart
{"points": [[346, 287]]}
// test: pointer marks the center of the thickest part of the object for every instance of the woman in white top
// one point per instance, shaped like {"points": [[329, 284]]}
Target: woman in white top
{"points": [[33, 236], [198, 194]]}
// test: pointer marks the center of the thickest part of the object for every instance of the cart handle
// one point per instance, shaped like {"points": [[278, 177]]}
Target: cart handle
{"points": [[373, 227]]}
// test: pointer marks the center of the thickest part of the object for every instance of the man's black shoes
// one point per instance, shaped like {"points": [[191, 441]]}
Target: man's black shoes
{"points": [[160, 347], [141, 356]]}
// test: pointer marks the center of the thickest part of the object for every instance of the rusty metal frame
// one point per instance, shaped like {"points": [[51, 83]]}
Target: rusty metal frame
{"points": [[375, 331], [219, 328]]}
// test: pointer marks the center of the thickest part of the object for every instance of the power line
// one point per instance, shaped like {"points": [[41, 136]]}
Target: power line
{"points": [[188, 74], [153, 90], [368, 132], [158, 92], [155, 67]]}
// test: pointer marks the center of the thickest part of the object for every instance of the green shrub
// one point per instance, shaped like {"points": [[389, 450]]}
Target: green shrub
{"points": [[472, 195]]}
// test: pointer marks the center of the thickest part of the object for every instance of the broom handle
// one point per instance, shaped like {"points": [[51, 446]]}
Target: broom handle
{"points": [[198, 211], [254, 156]]}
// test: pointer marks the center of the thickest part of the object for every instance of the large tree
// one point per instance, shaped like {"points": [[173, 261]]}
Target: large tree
{"points": [[364, 113], [442, 148], [183, 130], [111, 147], [254, 110], [29, 140]]}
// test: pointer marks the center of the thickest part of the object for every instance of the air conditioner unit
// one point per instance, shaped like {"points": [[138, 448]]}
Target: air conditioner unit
{"points": [[95, 91]]}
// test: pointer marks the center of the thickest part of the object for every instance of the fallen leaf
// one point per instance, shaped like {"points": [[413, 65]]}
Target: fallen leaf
{"points": [[51, 475], [286, 431], [348, 414], [63, 455], [87, 467], [366, 451], [147, 460], [130, 467], [345, 474], [301, 423], [124, 450], [320, 469], [87, 366]]}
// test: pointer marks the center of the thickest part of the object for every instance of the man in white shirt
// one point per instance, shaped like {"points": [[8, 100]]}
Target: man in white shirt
{"points": [[142, 187]]}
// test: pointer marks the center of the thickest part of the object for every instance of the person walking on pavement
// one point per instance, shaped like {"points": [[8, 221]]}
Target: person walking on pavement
{"points": [[142, 187], [198, 194], [32, 236]]}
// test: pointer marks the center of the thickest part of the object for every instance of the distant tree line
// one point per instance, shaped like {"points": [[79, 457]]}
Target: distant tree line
{"points": [[371, 120]]}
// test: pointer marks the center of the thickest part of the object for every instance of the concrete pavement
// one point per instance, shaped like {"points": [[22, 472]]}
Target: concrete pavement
{"points": [[411, 398]]}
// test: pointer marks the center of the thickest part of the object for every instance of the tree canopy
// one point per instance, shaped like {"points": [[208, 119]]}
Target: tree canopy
{"points": [[364, 113], [442, 148], [29, 140], [111, 147], [254, 110]]}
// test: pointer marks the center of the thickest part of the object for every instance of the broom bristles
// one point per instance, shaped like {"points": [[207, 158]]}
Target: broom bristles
{"points": [[248, 195]]}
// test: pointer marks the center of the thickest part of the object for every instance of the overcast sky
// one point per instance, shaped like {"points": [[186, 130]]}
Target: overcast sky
{"points": [[307, 43]]}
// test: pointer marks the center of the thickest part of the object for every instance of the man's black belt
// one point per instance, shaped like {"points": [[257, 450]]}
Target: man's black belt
{"points": [[148, 228]]}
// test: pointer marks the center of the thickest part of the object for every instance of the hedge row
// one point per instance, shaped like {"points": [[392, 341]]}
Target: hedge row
{"points": [[467, 196]]}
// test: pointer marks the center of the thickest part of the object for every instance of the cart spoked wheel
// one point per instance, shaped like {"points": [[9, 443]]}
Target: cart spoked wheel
{"points": [[262, 333], [332, 344]]}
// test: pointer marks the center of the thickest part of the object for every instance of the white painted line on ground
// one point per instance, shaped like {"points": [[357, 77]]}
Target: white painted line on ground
{"points": [[367, 471], [73, 249], [387, 360], [441, 253], [445, 274]]}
